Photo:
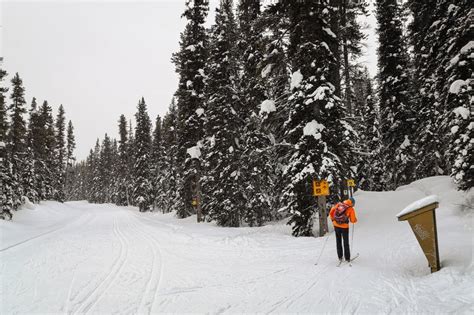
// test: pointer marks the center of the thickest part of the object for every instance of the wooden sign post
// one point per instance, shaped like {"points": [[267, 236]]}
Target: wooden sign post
{"points": [[422, 220], [350, 187], [321, 190]]}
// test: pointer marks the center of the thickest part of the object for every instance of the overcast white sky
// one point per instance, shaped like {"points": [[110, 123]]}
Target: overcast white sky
{"points": [[97, 58]]}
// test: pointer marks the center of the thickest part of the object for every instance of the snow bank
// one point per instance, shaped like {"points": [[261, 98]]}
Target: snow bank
{"points": [[418, 204], [267, 106]]}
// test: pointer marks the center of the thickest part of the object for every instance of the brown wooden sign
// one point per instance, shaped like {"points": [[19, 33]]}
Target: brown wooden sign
{"points": [[423, 224]]}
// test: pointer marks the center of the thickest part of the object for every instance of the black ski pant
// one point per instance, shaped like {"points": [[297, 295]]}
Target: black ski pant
{"points": [[342, 233]]}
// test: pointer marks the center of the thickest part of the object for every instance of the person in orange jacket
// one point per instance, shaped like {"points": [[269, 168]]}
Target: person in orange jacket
{"points": [[341, 214]]}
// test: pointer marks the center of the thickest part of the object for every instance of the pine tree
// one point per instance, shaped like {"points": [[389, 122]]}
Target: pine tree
{"points": [[71, 171], [370, 167], [131, 159], [157, 164], [105, 170], [456, 121], [35, 141], [60, 154], [46, 152], [142, 191], [314, 126], [222, 185], [427, 41], [17, 139], [169, 183], [71, 145], [256, 160], [397, 117], [6, 191], [123, 175], [95, 181], [190, 62]]}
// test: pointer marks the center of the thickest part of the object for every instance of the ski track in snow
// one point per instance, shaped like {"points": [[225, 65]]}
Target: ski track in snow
{"points": [[80, 258], [94, 296]]}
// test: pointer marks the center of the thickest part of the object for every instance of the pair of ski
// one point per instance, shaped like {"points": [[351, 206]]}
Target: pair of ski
{"points": [[349, 262]]}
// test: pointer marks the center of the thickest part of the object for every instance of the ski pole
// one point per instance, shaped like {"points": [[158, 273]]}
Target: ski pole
{"points": [[352, 239], [322, 250]]}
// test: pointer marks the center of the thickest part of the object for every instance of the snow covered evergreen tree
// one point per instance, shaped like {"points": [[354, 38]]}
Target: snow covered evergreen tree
{"points": [[157, 167], [46, 148], [222, 185], [169, 181], [60, 154], [142, 192], [6, 191], [17, 138], [314, 126], [256, 159], [106, 166], [70, 160], [427, 49], [439, 33], [397, 117], [190, 62], [456, 123], [123, 171]]}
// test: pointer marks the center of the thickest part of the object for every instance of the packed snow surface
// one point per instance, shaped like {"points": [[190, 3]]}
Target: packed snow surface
{"points": [[78, 258], [412, 207]]}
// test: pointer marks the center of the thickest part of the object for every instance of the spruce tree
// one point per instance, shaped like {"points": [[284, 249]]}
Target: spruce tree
{"points": [[256, 158], [397, 117], [70, 145], [456, 122], [314, 126], [123, 175], [46, 152], [427, 42], [190, 62], [60, 154], [6, 191], [105, 171], [169, 180], [142, 191], [224, 198], [157, 164], [71, 171], [95, 179], [17, 139]]}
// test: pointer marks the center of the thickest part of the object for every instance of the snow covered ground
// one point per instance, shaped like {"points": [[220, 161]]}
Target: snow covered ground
{"points": [[84, 258]]}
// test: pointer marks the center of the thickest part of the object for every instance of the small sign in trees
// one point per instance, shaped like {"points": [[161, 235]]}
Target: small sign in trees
{"points": [[321, 190]]}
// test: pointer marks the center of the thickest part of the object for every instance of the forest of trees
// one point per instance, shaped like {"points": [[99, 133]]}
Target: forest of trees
{"points": [[270, 98], [36, 155]]}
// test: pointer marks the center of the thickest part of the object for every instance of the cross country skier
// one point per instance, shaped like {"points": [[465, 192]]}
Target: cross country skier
{"points": [[341, 214]]}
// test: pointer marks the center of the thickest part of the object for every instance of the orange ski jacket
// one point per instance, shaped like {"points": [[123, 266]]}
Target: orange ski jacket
{"points": [[350, 212]]}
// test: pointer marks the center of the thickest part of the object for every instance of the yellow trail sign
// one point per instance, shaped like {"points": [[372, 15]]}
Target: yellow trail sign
{"points": [[320, 188]]}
